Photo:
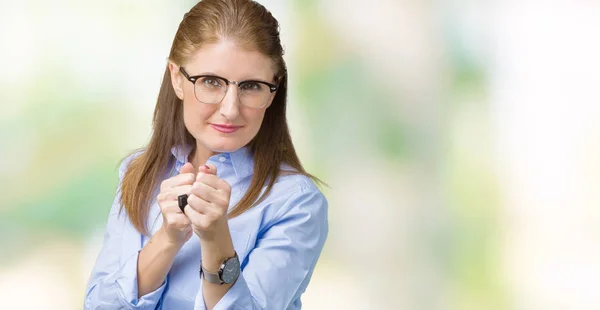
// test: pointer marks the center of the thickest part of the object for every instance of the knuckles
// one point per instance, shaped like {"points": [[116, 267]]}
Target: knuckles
{"points": [[189, 178], [193, 201], [163, 196], [163, 185], [227, 188]]}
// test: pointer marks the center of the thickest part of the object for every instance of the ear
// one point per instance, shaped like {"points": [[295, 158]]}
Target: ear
{"points": [[176, 79]]}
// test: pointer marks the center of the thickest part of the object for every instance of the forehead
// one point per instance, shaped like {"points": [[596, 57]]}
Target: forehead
{"points": [[230, 60]]}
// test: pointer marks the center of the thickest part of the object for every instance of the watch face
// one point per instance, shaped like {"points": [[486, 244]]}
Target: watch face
{"points": [[231, 270]]}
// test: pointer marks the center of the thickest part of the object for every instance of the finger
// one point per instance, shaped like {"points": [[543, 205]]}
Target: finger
{"points": [[213, 181], [173, 193], [170, 207], [176, 218], [187, 168], [198, 204], [208, 193], [208, 169], [205, 208], [197, 218], [181, 179], [181, 190], [186, 173]]}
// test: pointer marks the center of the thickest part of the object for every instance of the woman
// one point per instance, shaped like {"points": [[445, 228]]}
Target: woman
{"points": [[217, 211]]}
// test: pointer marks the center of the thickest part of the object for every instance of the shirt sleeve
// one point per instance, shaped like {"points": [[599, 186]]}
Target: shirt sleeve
{"points": [[113, 281], [280, 266]]}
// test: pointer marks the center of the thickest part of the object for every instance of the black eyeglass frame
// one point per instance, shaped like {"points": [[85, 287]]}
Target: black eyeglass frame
{"points": [[272, 87]]}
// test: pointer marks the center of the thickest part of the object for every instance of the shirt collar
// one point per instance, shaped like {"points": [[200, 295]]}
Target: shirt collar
{"points": [[241, 159]]}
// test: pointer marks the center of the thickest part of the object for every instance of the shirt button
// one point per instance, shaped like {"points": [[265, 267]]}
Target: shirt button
{"points": [[222, 159]]}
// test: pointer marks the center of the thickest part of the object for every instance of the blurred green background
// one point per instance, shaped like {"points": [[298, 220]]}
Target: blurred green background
{"points": [[460, 141]]}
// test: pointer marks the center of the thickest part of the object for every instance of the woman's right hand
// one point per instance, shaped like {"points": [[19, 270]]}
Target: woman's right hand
{"points": [[176, 225]]}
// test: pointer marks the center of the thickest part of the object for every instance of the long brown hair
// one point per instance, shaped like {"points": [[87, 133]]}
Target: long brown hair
{"points": [[209, 21]]}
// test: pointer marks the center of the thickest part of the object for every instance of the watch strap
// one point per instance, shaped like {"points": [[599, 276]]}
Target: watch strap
{"points": [[211, 277], [215, 277]]}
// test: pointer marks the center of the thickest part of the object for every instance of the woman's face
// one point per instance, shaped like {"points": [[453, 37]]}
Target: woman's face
{"points": [[211, 124]]}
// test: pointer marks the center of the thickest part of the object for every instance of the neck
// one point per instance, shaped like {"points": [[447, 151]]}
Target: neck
{"points": [[200, 155]]}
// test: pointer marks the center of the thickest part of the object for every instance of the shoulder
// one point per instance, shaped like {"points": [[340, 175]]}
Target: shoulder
{"points": [[298, 205], [296, 192], [292, 181]]}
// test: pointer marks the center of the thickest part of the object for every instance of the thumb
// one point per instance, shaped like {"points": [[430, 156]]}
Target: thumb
{"points": [[187, 168], [208, 169]]}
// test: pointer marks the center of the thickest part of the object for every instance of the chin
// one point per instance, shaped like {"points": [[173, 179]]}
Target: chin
{"points": [[225, 146]]}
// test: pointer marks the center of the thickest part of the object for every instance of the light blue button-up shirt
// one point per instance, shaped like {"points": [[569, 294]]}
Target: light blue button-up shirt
{"points": [[278, 243]]}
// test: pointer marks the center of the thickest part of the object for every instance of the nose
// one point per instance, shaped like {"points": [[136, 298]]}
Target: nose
{"points": [[229, 106]]}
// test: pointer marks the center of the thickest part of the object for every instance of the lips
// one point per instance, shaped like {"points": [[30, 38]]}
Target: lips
{"points": [[224, 128]]}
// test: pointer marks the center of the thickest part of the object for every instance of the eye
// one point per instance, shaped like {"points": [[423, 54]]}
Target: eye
{"points": [[211, 82], [252, 87]]}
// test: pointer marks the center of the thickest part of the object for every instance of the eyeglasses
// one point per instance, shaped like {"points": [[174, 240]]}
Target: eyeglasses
{"points": [[211, 89]]}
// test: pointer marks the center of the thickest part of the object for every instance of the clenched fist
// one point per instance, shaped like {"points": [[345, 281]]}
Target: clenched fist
{"points": [[208, 203], [176, 225]]}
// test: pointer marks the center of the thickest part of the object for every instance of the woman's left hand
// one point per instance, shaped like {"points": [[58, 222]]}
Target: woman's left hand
{"points": [[208, 202]]}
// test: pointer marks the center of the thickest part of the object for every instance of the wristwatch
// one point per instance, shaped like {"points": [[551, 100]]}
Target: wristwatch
{"points": [[227, 274]]}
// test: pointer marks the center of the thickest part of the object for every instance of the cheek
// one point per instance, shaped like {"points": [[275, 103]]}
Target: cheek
{"points": [[254, 120], [194, 111], [196, 114]]}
